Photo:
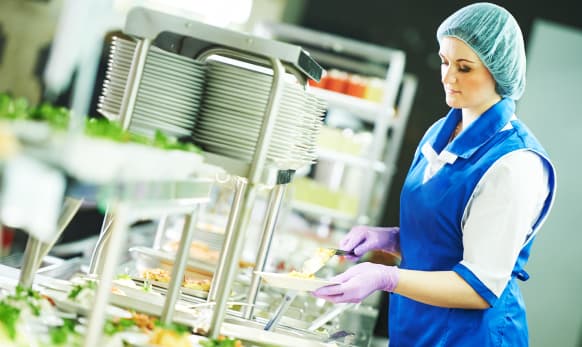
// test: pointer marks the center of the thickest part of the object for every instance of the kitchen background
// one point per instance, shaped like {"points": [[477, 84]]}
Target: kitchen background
{"points": [[552, 107]]}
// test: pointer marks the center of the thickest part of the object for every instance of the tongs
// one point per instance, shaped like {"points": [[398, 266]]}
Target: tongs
{"points": [[342, 252]]}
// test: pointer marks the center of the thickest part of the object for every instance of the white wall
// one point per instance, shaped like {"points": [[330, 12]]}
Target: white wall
{"points": [[552, 108]]}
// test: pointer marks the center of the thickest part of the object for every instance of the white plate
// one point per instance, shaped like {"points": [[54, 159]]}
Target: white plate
{"points": [[158, 52], [166, 108], [250, 91], [120, 59], [249, 82], [281, 280], [120, 63], [225, 147], [162, 95], [243, 137], [255, 103], [187, 89], [146, 122], [162, 71], [177, 66], [213, 112], [165, 120], [174, 71]]}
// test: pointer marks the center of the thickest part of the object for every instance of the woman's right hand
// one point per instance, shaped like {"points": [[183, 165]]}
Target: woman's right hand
{"points": [[362, 239]]}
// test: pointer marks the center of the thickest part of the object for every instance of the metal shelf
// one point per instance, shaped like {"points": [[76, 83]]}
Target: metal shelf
{"points": [[366, 110], [351, 160], [323, 212]]}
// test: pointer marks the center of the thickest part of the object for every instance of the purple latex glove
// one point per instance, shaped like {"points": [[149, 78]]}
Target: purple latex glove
{"points": [[358, 282], [362, 239]]}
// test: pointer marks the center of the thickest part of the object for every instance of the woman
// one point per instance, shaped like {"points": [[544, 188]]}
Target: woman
{"points": [[479, 188]]}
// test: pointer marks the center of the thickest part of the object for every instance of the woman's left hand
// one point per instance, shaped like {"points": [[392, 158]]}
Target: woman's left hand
{"points": [[358, 282]]}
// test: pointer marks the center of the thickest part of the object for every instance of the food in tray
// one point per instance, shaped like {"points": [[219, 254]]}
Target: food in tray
{"points": [[198, 250], [83, 293], [163, 276], [221, 341], [201, 251], [157, 274], [140, 321], [172, 335], [203, 285], [28, 310]]}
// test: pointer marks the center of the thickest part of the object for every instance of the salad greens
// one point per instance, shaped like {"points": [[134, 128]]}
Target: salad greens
{"points": [[78, 288], [60, 335], [113, 327], [25, 295], [10, 311], [8, 318], [58, 118], [19, 108]]}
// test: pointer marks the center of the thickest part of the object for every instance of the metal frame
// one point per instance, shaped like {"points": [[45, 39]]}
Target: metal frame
{"points": [[130, 202], [333, 49], [409, 85], [147, 25]]}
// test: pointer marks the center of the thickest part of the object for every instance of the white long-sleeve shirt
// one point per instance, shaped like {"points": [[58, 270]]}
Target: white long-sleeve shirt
{"points": [[500, 214]]}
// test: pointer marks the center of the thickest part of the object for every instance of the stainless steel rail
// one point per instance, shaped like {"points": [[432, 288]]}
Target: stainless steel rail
{"points": [[257, 166], [272, 214], [179, 267], [133, 81], [36, 250]]}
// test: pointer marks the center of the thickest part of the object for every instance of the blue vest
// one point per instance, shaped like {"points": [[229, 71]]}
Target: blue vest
{"points": [[431, 235]]}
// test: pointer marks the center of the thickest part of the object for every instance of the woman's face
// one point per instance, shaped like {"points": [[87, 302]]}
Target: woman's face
{"points": [[468, 83]]}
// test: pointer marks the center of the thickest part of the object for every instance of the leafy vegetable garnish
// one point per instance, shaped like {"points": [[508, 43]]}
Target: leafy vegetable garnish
{"points": [[58, 118], [147, 286], [123, 277], [79, 287], [22, 293], [9, 317], [13, 108], [28, 295], [113, 327], [102, 128], [60, 335]]}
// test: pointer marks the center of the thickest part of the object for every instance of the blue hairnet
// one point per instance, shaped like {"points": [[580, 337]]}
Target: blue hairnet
{"points": [[493, 33]]}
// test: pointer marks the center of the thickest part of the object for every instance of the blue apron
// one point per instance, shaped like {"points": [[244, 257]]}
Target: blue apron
{"points": [[431, 235]]}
